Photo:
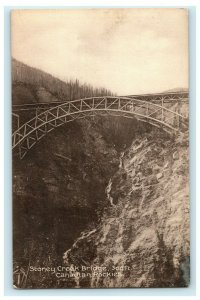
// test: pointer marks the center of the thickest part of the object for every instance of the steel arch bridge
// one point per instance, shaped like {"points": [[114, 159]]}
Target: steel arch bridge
{"points": [[155, 113]]}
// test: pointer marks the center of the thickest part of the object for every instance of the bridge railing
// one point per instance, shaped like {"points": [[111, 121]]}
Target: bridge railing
{"points": [[169, 97]]}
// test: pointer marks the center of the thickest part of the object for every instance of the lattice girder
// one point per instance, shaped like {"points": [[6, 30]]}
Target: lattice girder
{"points": [[159, 115]]}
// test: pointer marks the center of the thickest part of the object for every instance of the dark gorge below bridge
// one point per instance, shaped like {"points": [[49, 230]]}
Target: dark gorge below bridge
{"points": [[61, 205]]}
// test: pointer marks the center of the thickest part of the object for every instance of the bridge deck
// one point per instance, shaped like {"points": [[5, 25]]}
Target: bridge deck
{"points": [[157, 98]]}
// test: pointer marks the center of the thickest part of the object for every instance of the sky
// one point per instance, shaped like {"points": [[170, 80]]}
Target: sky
{"points": [[129, 51]]}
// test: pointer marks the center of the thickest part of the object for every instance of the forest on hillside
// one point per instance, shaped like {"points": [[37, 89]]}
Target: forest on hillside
{"points": [[71, 90]]}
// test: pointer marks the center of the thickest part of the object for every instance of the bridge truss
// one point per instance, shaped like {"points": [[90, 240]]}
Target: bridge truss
{"points": [[155, 113]]}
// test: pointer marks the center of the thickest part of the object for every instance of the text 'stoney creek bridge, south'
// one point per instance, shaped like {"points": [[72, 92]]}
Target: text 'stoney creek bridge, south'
{"points": [[168, 111]]}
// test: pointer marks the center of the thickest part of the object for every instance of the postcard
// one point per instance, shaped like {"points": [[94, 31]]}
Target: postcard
{"points": [[100, 148]]}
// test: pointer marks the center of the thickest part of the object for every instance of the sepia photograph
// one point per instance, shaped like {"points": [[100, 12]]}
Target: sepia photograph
{"points": [[100, 148]]}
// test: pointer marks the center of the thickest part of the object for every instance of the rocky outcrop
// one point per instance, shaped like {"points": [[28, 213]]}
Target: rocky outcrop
{"points": [[144, 234]]}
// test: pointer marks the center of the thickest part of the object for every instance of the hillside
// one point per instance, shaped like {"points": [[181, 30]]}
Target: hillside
{"points": [[31, 85], [178, 89]]}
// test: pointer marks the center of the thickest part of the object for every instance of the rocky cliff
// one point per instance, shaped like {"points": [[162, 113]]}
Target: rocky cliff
{"points": [[107, 197], [144, 234]]}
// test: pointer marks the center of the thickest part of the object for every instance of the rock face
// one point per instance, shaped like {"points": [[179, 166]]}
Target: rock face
{"points": [[145, 234], [103, 195], [59, 191]]}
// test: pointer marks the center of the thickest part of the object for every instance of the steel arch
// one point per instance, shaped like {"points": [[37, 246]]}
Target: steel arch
{"points": [[26, 136]]}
